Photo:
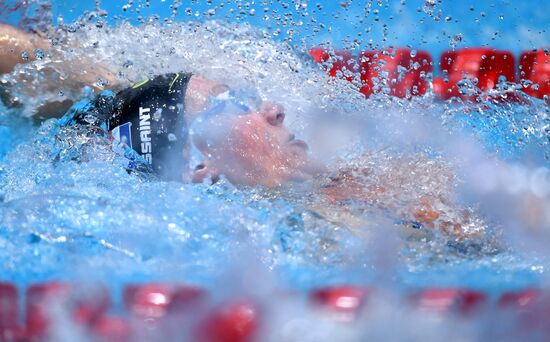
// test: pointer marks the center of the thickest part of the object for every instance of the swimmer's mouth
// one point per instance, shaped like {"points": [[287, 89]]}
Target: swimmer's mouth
{"points": [[297, 142]]}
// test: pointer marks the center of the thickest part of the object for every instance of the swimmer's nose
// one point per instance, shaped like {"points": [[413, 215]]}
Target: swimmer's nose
{"points": [[274, 113]]}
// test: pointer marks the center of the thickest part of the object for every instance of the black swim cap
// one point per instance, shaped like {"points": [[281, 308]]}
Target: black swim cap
{"points": [[150, 118]]}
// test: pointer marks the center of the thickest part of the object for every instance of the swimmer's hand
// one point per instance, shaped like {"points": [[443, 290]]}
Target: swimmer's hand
{"points": [[347, 186], [425, 214]]}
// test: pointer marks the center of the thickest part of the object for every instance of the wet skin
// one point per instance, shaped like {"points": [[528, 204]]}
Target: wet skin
{"points": [[249, 149], [253, 149]]}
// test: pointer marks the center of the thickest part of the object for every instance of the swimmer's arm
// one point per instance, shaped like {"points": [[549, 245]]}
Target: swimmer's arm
{"points": [[346, 187], [13, 43], [80, 72], [452, 224]]}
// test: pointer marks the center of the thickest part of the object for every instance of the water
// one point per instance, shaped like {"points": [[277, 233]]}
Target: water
{"points": [[71, 212]]}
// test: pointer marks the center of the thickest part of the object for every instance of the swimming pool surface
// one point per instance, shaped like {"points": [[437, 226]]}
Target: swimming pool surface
{"points": [[70, 211]]}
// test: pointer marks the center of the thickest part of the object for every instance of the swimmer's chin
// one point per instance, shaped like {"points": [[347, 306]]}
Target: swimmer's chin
{"points": [[309, 171]]}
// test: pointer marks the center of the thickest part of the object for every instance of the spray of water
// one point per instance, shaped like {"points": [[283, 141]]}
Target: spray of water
{"points": [[68, 203]]}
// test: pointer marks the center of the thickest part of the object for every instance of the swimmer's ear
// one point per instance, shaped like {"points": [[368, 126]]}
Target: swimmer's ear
{"points": [[204, 171]]}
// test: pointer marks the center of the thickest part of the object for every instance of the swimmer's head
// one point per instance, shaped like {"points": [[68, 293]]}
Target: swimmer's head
{"points": [[252, 148]]}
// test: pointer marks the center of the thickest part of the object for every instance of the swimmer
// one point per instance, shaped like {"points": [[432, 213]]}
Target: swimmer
{"points": [[154, 116], [239, 135]]}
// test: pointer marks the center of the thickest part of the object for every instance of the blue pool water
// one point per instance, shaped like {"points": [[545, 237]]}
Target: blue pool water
{"points": [[71, 212]]}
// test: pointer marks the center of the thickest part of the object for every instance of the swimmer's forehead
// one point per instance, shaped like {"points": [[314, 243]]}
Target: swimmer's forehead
{"points": [[248, 96]]}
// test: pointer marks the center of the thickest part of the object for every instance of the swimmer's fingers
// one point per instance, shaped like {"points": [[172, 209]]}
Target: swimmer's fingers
{"points": [[427, 217], [450, 228]]}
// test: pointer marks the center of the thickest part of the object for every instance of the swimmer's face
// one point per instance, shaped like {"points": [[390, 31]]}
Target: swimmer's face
{"points": [[254, 148]]}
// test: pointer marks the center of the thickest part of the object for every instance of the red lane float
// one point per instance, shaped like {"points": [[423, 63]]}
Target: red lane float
{"points": [[520, 300], [482, 67], [534, 66], [340, 61], [449, 300], [112, 329], [10, 330], [232, 321], [163, 311], [46, 302], [344, 301], [402, 71], [155, 300], [237, 321]]}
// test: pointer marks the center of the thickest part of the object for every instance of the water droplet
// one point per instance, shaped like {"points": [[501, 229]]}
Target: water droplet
{"points": [[344, 4], [25, 55], [429, 6], [413, 53], [158, 114], [101, 83], [172, 137], [456, 40], [526, 83]]}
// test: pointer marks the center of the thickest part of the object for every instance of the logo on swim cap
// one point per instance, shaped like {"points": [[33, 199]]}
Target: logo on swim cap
{"points": [[145, 133], [123, 134]]}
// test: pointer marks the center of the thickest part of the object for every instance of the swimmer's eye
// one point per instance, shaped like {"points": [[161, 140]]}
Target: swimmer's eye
{"points": [[219, 89], [227, 103]]}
